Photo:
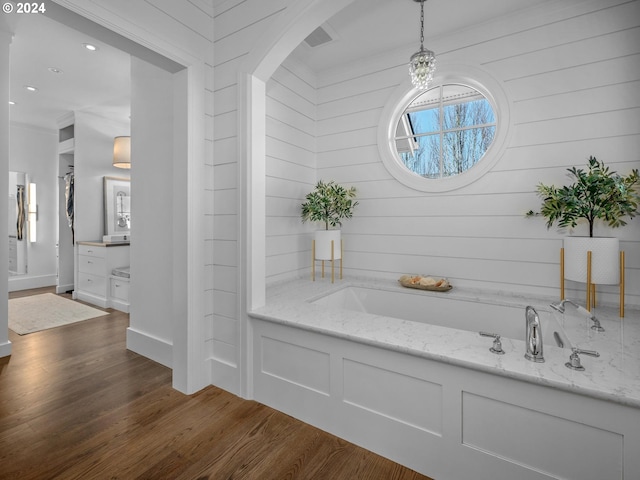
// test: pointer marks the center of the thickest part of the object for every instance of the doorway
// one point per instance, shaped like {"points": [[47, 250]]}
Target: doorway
{"points": [[185, 317], [62, 77]]}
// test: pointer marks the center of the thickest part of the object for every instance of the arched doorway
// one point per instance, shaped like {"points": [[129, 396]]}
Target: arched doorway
{"points": [[277, 43]]}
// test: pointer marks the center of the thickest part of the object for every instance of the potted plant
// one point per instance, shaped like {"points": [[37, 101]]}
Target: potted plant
{"points": [[329, 203], [596, 194]]}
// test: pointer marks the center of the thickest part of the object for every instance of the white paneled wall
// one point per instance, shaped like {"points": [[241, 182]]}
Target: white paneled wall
{"points": [[290, 169], [573, 81], [238, 24]]}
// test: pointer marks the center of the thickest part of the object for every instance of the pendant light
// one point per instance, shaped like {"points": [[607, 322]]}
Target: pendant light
{"points": [[422, 63]]}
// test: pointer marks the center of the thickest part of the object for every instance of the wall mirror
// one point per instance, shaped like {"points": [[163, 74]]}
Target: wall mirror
{"points": [[117, 208], [17, 227]]}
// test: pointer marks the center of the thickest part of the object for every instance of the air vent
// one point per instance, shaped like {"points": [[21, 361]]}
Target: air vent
{"points": [[318, 37]]}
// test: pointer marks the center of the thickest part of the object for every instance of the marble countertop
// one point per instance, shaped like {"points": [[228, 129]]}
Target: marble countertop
{"points": [[98, 243], [614, 376]]}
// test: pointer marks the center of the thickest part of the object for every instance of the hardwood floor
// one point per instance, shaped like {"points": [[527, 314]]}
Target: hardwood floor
{"points": [[75, 404]]}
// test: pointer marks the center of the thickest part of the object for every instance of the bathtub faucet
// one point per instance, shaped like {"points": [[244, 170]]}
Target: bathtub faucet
{"points": [[560, 307], [533, 336]]}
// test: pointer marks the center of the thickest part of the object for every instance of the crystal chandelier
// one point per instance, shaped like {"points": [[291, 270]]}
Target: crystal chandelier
{"points": [[422, 63]]}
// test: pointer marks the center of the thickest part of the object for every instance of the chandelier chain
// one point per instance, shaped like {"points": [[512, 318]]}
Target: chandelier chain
{"points": [[422, 63], [422, 25]]}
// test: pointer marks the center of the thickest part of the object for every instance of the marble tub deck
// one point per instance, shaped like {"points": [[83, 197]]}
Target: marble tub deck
{"points": [[614, 376]]}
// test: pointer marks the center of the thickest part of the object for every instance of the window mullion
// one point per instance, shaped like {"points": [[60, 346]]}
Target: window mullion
{"points": [[472, 127], [441, 129]]}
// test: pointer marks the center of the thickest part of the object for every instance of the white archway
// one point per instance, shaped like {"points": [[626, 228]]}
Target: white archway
{"points": [[284, 35], [287, 32]]}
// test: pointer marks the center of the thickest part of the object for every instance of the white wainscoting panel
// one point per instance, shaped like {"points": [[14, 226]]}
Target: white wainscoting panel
{"points": [[403, 398], [539, 441], [295, 364]]}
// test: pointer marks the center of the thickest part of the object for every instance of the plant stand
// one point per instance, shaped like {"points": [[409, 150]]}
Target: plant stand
{"points": [[591, 287], [332, 260]]}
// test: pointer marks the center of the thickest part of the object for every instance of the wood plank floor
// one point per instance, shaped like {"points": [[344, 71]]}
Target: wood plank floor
{"points": [[75, 404]]}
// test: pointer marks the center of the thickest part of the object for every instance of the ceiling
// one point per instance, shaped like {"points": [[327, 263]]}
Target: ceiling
{"points": [[100, 81], [368, 27], [96, 81]]}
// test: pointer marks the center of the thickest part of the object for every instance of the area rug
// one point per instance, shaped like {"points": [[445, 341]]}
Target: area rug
{"points": [[41, 312]]}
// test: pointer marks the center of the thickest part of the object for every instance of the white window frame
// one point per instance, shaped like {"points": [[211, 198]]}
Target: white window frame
{"points": [[404, 95]]}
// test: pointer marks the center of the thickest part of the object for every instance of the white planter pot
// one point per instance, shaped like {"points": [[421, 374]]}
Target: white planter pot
{"points": [[605, 259], [323, 244]]}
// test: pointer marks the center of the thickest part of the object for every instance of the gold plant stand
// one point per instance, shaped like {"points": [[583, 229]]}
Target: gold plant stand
{"points": [[313, 260], [591, 287]]}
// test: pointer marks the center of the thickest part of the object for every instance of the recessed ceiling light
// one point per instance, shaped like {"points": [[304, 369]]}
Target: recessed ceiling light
{"points": [[11, 102], [31, 88], [55, 70], [90, 46]]}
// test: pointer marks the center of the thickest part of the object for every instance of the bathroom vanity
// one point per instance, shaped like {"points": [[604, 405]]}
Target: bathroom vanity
{"points": [[95, 282]]}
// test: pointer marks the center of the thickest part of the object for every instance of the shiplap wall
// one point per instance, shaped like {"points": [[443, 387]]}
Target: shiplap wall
{"points": [[238, 24], [290, 169], [571, 75], [573, 78]]}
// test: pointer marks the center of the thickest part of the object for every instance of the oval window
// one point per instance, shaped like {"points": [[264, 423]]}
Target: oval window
{"points": [[445, 131], [448, 136]]}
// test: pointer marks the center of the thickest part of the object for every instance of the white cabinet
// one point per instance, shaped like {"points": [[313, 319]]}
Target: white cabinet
{"points": [[13, 254], [17, 255], [94, 263], [119, 293]]}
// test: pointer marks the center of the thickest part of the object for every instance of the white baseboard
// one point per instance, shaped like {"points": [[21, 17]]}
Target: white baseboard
{"points": [[24, 282], [64, 288], [119, 305], [90, 298], [225, 376], [151, 347], [5, 349]]}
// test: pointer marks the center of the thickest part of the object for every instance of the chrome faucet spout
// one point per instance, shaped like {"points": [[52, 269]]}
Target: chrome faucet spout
{"points": [[533, 336]]}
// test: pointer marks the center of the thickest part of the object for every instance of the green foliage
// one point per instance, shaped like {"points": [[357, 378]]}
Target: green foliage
{"points": [[597, 193], [329, 203]]}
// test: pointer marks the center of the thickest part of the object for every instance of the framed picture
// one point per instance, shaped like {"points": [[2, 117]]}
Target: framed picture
{"points": [[117, 206]]}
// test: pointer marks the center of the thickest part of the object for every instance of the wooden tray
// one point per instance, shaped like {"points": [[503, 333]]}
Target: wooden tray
{"points": [[405, 281]]}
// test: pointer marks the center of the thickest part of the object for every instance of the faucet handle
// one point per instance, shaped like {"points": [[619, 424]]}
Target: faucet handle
{"points": [[497, 344], [574, 359], [591, 353]]}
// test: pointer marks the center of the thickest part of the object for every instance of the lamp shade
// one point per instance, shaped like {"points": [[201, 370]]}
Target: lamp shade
{"points": [[122, 152], [605, 252]]}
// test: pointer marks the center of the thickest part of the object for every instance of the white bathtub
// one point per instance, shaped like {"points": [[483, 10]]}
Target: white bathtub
{"points": [[405, 374], [445, 311]]}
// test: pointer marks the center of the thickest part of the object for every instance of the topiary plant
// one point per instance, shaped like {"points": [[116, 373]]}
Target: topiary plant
{"points": [[329, 203], [597, 193]]}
